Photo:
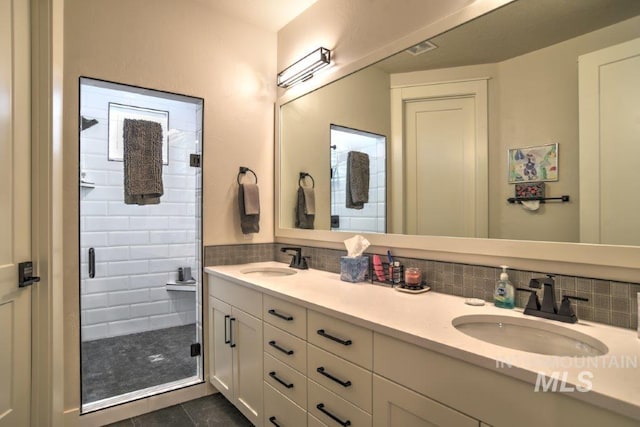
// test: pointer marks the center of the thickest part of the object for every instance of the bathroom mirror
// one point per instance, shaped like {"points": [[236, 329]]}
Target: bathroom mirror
{"points": [[524, 56]]}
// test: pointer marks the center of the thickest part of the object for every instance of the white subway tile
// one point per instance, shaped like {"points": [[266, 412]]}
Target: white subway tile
{"points": [[182, 223], [116, 223], [101, 193], [90, 301], [167, 209], [126, 327], [127, 267], [93, 208], [169, 237], [128, 237], [95, 145], [112, 253], [149, 223], [165, 265], [158, 280], [128, 297], [166, 321], [93, 239], [106, 284], [149, 309], [104, 315], [94, 332], [185, 250], [149, 252], [158, 294], [119, 208]]}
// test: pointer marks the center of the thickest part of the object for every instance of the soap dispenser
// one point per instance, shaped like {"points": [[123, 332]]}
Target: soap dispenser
{"points": [[504, 292]]}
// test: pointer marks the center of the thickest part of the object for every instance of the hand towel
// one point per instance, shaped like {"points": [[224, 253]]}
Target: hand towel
{"points": [[304, 219], [357, 184], [142, 154], [309, 200], [250, 223]]}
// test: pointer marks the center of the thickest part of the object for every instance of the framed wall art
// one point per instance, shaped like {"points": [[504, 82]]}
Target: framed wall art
{"points": [[530, 164]]}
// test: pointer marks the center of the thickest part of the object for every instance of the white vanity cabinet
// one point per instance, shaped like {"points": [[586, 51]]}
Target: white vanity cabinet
{"points": [[235, 346]]}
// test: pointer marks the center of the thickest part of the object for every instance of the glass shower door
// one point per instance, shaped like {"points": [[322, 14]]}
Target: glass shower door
{"points": [[140, 252]]}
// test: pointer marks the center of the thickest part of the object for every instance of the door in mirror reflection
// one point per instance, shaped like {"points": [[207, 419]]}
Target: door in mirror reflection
{"points": [[347, 186]]}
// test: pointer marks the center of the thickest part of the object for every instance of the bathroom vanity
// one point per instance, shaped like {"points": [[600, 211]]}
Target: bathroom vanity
{"points": [[300, 347]]}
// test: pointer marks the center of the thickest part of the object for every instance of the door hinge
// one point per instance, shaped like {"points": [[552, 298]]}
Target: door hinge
{"points": [[194, 160], [195, 349]]}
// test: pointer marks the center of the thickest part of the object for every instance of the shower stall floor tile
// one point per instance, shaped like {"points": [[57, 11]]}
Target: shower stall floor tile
{"points": [[118, 365]]}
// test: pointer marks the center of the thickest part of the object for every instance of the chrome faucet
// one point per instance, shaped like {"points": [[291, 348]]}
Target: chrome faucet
{"points": [[297, 260], [549, 309]]}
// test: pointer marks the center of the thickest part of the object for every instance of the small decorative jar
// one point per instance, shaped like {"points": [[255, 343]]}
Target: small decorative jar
{"points": [[413, 277]]}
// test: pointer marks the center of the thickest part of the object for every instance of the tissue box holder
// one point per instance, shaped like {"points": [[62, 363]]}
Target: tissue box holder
{"points": [[354, 269]]}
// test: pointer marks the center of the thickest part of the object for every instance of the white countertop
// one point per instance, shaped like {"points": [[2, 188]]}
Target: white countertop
{"points": [[425, 320]]}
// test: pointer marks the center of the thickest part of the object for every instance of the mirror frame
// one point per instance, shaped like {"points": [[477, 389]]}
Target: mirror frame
{"points": [[609, 262]]}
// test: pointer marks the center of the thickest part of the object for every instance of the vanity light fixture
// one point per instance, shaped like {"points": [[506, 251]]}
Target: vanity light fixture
{"points": [[303, 69]]}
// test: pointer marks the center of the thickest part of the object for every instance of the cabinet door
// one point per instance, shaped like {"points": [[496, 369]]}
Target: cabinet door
{"points": [[394, 405], [246, 340], [220, 352]]}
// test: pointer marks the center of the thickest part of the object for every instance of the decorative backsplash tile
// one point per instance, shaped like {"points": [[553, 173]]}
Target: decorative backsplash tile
{"points": [[610, 302]]}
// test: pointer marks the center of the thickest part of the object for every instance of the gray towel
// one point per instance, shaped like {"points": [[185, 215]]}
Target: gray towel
{"points": [[303, 219], [357, 190], [251, 199], [250, 223], [142, 154], [309, 200]]}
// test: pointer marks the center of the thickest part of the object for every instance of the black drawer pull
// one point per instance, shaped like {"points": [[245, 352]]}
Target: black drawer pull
{"points": [[321, 332], [277, 347], [286, 317], [272, 420], [320, 407], [231, 343], [226, 337], [273, 375], [331, 377]]}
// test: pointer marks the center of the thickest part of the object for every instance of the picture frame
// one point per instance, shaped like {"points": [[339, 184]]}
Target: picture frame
{"points": [[531, 164], [119, 112]]}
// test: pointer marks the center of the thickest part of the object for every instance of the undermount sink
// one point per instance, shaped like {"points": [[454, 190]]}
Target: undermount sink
{"points": [[269, 271], [529, 335]]}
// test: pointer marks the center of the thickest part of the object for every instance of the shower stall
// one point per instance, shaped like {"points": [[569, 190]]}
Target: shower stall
{"points": [[373, 217], [140, 242]]}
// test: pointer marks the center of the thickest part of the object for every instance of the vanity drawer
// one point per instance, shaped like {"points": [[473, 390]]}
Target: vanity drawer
{"points": [[314, 422], [285, 347], [347, 380], [285, 315], [280, 411], [245, 299], [348, 341], [334, 410], [286, 380]]}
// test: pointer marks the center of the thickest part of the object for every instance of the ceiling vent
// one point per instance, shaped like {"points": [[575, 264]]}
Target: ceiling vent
{"points": [[421, 48]]}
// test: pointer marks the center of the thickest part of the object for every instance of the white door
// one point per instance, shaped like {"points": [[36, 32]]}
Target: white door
{"points": [[440, 165], [439, 159], [609, 145], [15, 194], [247, 361], [220, 352]]}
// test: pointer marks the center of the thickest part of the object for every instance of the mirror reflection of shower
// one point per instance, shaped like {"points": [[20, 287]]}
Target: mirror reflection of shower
{"points": [[140, 242], [372, 216]]}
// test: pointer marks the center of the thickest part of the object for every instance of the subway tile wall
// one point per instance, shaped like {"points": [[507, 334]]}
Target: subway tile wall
{"points": [[138, 248], [610, 302]]}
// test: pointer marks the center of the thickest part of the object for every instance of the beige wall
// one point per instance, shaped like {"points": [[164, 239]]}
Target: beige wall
{"points": [[186, 48], [360, 101]]}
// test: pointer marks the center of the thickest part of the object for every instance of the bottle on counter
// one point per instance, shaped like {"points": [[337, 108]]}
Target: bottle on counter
{"points": [[504, 293]]}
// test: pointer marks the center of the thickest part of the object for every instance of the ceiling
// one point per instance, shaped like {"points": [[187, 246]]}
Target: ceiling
{"points": [[515, 29], [268, 14]]}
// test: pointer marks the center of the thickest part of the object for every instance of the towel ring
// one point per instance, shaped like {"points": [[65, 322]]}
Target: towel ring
{"points": [[303, 175], [244, 170]]}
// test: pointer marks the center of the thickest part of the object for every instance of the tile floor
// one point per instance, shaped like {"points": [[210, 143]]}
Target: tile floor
{"points": [[210, 411], [118, 365]]}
